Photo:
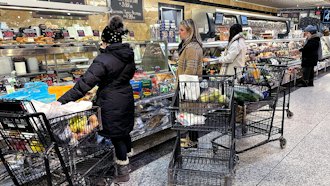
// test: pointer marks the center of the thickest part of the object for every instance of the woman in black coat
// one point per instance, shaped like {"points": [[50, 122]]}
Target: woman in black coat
{"points": [[310, 55], [112, 71]]}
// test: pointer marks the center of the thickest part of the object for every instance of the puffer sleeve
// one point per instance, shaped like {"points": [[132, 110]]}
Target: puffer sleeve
{"points": [[233, 51], [92, 77]]}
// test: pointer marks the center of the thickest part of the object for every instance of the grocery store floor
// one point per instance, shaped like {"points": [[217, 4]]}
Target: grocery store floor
{"points": [[304, 161]]}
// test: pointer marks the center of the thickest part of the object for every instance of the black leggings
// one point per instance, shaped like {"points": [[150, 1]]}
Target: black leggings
{"points": [[122, 146]]}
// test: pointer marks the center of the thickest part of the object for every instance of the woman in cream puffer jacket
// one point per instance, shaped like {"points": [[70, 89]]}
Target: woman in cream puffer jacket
{"points": [[234, 55]]}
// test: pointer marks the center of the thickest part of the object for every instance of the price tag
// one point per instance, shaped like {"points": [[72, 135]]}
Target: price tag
{"points": [[81, 33], [65, 34], [96, 33], [30, 33], [48, 33], [326, 16], [8, 34]]}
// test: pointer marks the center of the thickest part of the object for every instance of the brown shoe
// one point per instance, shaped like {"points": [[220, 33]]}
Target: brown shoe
{"points": [[122, 171]]}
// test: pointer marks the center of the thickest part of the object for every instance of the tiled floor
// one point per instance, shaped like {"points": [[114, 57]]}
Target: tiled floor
{"points": [[304, 161]]}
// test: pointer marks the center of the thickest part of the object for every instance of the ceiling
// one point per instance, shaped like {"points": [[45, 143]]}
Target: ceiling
{"points": [[289, 3]]}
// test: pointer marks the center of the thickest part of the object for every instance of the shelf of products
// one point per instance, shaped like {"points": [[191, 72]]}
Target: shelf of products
{"points": [[153, 87], [48, 64]]}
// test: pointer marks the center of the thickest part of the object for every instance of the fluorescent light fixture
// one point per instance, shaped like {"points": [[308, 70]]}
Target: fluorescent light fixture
{"points": [[253, 15]]}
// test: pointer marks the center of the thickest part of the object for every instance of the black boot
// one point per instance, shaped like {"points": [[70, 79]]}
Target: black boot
{"points": [[122, 171], [303, 83], [311, 84]]}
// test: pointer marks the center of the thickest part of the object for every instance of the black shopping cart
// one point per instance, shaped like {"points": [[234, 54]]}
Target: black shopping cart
{"points": [[58, 151], [262, 103], [204, 105]]}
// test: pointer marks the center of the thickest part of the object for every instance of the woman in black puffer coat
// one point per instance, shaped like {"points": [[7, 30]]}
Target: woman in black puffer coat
{"points": [[112, 71]]}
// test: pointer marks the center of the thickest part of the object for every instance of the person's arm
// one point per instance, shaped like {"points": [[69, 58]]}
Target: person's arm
{"points": [[310, 45], [233, 52], [91, 78], [192, 61]]}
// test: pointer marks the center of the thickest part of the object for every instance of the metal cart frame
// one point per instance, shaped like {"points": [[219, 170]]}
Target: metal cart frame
{"points": [[258, 116], [34, 137], [207, 163]]}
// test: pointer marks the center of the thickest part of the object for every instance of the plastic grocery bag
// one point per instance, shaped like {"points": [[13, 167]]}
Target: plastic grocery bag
{"points": [[189, 87], [189, 119], [52, 110]]}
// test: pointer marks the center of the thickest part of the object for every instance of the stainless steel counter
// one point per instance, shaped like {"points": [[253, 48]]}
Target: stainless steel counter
{"points": [[44, 51]]}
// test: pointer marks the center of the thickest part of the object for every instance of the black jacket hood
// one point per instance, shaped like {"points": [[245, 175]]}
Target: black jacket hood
{"points": [[122, 51]]}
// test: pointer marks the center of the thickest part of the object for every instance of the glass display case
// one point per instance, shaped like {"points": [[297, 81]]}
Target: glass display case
{"points": [[153, 86]]}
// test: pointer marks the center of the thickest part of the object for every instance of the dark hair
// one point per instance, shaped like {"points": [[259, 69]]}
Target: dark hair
{"points": [[234, 30], [313, 32], [116, 23]]}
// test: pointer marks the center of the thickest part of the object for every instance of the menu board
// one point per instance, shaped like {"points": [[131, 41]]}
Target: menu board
{"points": [[82, 2], [128, 9]]}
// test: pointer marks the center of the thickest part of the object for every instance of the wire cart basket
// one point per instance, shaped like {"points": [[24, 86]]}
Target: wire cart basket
{"points": [[204, 105], [40, 151], [262, 103]]}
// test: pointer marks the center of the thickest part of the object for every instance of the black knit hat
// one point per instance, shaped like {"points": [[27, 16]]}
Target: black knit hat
{"points": [[113, 32], [111, 36]]}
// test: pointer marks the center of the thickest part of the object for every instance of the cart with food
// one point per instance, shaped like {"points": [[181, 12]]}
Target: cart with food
{"points": [[38, 149]]}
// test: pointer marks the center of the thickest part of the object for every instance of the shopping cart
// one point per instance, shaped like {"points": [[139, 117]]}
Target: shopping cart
{"points": [[40, 151], [203, 104], [262, 103]]}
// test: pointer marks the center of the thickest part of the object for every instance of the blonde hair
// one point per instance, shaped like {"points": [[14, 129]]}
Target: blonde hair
{"points": [[192, 30]]}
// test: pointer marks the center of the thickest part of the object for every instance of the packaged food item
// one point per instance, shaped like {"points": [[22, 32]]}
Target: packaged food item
{"points": [[164, 88], [146, 87]]}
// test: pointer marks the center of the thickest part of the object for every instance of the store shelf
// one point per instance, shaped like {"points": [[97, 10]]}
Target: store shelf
{"points": [[152, 131], [45, 51], [152, 99], [224, 43], [32, 74]]}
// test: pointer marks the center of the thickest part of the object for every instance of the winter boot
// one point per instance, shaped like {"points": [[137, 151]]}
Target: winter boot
{"points": [[131, 153], [122, 171]]}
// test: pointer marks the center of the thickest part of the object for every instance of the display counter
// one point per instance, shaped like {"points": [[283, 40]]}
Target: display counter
{"points": [[153, 83], [263, 52]]}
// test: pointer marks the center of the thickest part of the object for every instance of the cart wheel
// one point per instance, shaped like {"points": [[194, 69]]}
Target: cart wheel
{"points": [[244, 130], [215, 149], [236, 160], [289, 114], [228, 181], [283, 143]]}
